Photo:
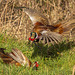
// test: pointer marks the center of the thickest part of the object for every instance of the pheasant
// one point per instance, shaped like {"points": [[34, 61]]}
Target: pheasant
{"points": [[16, 57], [42, 31]]}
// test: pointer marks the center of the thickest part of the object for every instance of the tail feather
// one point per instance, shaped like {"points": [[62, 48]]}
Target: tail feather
{"points": [[65, 27], [69, 25]]}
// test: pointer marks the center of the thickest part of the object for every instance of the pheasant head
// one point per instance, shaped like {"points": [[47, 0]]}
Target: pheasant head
{"points": [[33, 36]]}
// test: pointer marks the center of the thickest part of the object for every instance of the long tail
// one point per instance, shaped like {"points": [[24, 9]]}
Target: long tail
{"points": [[66, 27]]}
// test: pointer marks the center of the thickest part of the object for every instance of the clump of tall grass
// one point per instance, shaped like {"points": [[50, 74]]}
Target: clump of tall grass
{"points": [[17, 24]]}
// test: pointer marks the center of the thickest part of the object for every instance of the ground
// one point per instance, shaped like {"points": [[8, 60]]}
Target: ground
{"points": [[58, 60]]}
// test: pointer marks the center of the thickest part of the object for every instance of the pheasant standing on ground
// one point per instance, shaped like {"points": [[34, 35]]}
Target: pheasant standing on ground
{"points": [[16, 57], [42, 31]]}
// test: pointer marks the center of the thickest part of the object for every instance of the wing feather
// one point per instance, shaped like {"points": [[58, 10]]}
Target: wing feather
{"points": [[50, 37], [19, 57]]}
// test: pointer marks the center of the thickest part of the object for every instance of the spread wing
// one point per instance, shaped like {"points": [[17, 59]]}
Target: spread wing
{"points": [[34, 15], [18, 56], [50, 37]]}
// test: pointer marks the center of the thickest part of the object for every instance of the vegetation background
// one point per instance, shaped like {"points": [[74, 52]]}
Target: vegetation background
{"points": [[17, 24], [15, 27]]}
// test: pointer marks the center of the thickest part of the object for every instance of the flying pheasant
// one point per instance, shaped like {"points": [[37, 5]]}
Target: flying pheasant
{"points": [[16, 57], [42, 31]]}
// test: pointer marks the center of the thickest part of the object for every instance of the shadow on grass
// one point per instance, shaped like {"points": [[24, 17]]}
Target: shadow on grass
{"points": [[52, 51]]}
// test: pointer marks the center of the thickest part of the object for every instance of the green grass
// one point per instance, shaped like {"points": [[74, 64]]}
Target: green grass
{"points": [[56, 60]]}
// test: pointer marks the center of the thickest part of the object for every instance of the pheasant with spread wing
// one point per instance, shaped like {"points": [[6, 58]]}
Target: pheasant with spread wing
{"points": [[42, 31]]}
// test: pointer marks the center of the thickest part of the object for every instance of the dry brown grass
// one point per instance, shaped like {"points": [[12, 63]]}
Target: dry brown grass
{"points": [[17, 24]]}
